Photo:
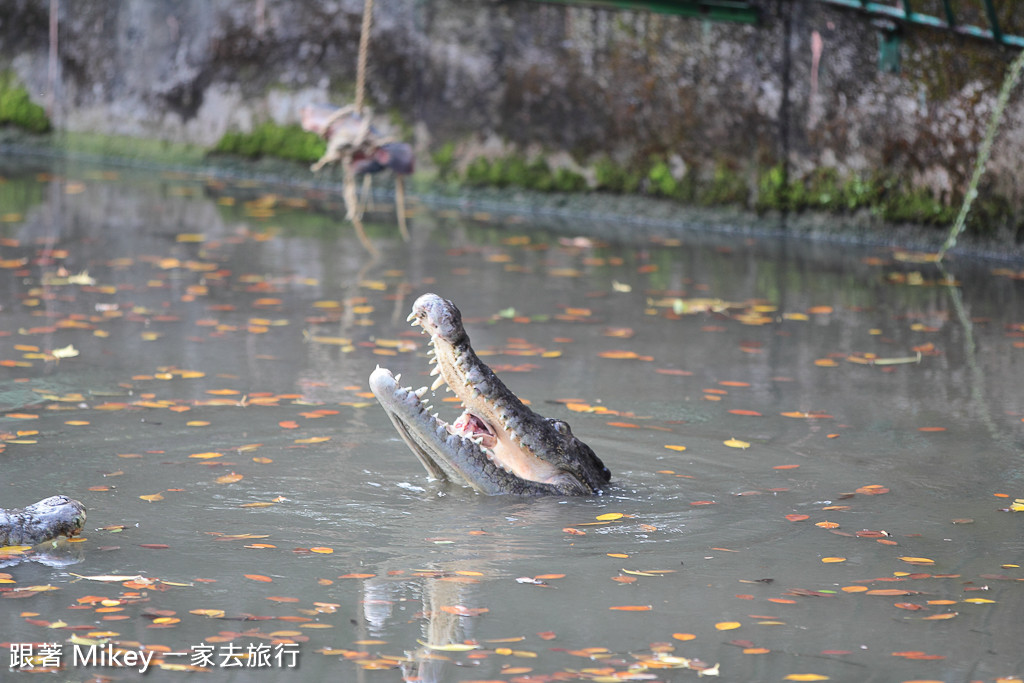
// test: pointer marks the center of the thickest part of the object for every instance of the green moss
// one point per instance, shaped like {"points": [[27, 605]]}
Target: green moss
{"points": [[566, 180], [612, 177], [17, 109], [515, 171], [662, 183], [269, 139], [444, 159], [914, 206], [478, 173], [726, 187]]}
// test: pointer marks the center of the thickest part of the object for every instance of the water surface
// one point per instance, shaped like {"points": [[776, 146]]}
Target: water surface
{"points": [[188, 356]]}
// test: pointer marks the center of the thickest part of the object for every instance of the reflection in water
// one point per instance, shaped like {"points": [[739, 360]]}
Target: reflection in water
{"points": [[217, 424]]}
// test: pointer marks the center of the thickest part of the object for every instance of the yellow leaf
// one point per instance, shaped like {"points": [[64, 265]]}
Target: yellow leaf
{"points": [[736, 443], [212, 613], [152, 498], [314, 439], [917, 560], [609, 516], [322, 550], [673, 447], [833, 559], [229, 478], [979, 601], [206, 456], [727, 625], [805, 677]]}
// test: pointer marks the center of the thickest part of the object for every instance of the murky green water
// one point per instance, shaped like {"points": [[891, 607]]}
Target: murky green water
{"points": [[212, 317]]}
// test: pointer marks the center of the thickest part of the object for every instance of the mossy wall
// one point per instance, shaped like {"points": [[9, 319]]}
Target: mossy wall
{"points": [[789, 114], [17, 108]]}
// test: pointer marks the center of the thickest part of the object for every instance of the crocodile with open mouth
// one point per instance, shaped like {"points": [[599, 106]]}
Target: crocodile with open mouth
{"points": [[497, 445]]}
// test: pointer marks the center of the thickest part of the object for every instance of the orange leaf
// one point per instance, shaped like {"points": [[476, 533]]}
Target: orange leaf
{"points": [[797, 518], [288, 424], [872, 490], [618, 354], [683, 636], [259, 577], [827, 525], [462, 611], [229, 478], [631, 608], [751, 413]]}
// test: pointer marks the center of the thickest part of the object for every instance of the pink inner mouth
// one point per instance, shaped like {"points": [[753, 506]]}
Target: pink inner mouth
{"points": [[469, 425]]}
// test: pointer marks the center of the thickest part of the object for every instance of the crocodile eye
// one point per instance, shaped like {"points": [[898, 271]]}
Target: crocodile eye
{"points": [[561, 426]]}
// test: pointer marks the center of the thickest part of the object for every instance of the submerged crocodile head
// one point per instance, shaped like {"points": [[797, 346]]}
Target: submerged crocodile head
{"points": [[40, 522], [497, 445]]}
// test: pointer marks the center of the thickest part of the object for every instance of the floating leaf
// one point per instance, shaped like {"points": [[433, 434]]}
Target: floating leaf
{"points": [[153, 497], [258, 577], [632, 608], [727, 625], [229, 478], [609, 516], [872, 490], [736, 443], [313, 439], [917, 560]]}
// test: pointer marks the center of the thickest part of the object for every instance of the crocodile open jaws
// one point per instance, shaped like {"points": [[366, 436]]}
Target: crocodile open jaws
{"points": [[497, 445]]}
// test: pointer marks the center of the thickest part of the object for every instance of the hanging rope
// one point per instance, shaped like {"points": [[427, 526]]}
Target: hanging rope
{"points": [[364, 49]]}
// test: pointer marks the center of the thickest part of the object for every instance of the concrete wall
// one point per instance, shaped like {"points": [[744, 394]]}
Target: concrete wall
{"points": [[576, 82]]}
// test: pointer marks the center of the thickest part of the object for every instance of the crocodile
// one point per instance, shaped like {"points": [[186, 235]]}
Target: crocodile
{"points": [[498, 445], [40, 522]]}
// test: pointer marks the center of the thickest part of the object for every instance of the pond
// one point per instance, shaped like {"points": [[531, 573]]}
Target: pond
{"points": [[815, 448]]}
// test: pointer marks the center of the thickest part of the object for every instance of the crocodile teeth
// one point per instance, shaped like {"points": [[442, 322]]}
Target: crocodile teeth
{"points": [[420, 392], [437, 383], [398, 377], [412, 319]]}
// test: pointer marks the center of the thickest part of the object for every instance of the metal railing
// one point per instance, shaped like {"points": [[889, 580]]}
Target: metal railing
{"points": [[905, 13], [714, 10]]}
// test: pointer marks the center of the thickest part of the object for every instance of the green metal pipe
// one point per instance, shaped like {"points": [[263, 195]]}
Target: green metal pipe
{"points": [[934, 22], [993, 20]]}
